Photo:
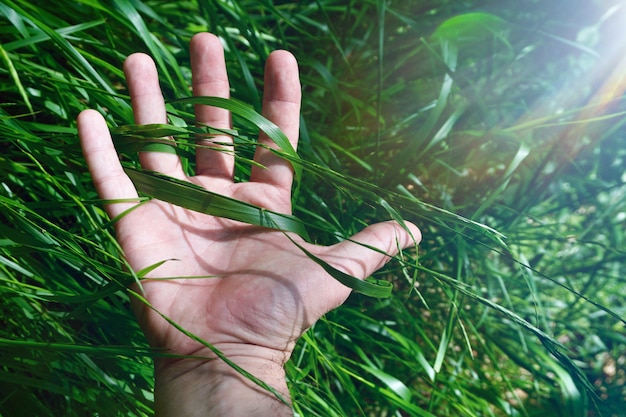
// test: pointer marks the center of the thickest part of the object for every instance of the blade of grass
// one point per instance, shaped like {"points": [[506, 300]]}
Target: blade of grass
{"points": [[370, 287], [16, 78], [193, 197], [73, 56]]}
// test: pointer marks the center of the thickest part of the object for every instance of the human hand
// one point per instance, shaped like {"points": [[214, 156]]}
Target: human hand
{"points": [[254, 292]]}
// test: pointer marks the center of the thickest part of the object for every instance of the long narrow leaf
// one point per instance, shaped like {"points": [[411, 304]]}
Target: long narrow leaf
{"points": [[371, 287], [247, 113], [193, 197]]}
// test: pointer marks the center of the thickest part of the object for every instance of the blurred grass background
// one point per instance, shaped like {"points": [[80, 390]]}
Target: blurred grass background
{"points": [[509, 114]]}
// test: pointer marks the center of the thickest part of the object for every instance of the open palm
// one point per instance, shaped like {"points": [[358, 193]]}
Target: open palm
{"points": [[247, 290]]}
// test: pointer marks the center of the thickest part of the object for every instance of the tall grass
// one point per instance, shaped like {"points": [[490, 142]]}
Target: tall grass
{"points": [[498, 130]]}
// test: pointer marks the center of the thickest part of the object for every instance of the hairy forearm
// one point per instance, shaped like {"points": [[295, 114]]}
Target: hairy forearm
{"points": [[191, 388]]}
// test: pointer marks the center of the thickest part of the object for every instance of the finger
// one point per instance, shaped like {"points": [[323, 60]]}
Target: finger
{"points": [[281, 105], [104, 165], [148, 108], [361, 261], [209, 78]]}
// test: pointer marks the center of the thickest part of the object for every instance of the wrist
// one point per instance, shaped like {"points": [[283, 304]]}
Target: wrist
{"points": [[196, 387]]}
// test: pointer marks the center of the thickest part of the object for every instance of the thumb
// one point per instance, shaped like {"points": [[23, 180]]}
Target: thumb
{"points": [[358, 257]]}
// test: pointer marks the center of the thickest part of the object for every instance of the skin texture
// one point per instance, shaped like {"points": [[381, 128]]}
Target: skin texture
{"points": [[268, 292]]}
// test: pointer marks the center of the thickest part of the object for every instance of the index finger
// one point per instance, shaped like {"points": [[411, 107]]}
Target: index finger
{"points": [[281, 105]]}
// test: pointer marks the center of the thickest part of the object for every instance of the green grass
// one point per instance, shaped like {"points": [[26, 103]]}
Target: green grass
{"points": [[497, 130]]}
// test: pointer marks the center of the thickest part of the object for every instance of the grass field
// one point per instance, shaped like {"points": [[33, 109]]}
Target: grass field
{"points": [[497, 127]]}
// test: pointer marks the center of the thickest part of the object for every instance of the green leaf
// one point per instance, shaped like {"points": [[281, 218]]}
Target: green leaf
{"points": [[370, 286], [246, 112], [16, 78], [194, 197], [471, 28]]}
